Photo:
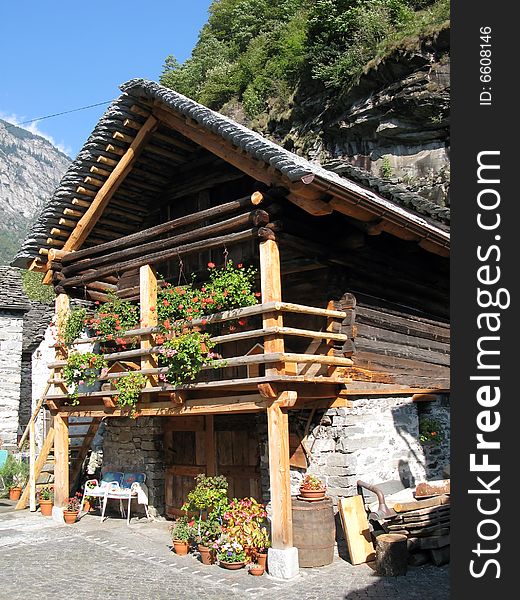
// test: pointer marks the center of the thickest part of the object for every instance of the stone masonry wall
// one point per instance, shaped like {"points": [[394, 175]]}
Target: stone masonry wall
{"points": [[137, 445], [11, 327], [376, 440]]}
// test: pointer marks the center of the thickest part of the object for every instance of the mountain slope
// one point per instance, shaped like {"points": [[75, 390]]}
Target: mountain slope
{"points": [[30, 169], [363, 82]]}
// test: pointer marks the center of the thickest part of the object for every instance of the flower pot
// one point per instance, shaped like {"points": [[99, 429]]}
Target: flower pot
{"points": [[15, 493], [70, 516], [87, 506], [180, 548], [312, 494], [206, 555], [232, 566], [256, 571], [261, 559], [46, 508]]}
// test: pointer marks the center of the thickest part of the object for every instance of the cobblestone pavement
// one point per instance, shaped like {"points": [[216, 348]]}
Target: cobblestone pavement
{"points": [[93, 560]]}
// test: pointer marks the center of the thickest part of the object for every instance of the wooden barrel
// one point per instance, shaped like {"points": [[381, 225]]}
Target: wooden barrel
{"points": [[314, 532]]}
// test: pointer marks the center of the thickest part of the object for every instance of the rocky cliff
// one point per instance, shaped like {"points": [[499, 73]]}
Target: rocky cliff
{"points": [[30, 169], [393, 122]]}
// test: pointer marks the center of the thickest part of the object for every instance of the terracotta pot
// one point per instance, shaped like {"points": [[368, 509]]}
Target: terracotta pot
{"points": [[70, 516], [312, 494], [232, 566], [256, 571], [207, 555], [261, 559], [15, 493], [87, 507], [46, 507], [181, 548]]}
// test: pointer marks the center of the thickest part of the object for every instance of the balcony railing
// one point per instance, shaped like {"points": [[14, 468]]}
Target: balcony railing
{"points": [[323, 360]]}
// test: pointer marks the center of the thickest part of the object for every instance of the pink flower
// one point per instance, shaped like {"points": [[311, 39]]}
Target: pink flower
{"points": [[211, 265]]}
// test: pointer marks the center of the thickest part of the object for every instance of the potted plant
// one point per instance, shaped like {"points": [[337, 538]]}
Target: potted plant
{"points": [[230, 553], [184, 356], [46, 500], [181, 531], [75, 324], [207, 502], [113, 319], [70, 513], [430, 431], [210, 531], [82, 370], [20, 477], [129, 388], [243, 522], [261, 543], [256, 569], [312, 488]]}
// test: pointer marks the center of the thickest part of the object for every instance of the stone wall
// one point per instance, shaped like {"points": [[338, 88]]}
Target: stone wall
{"points": [[11, 327], [138, 445], [376, 440]]}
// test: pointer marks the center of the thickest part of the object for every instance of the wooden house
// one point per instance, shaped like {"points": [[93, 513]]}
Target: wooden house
{"points": [[353, 273]]}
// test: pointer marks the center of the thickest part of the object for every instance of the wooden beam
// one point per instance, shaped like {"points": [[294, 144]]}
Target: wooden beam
{"points": [[32, 463], [271, 287], [38, 466], [103, 196], [279, 477], [148, 307], [61, 461]]}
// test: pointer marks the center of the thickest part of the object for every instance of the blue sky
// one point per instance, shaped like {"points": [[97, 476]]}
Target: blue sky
{"points": [[59, 55]]}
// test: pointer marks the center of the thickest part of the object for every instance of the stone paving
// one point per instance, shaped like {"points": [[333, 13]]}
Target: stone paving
{"points": [[93, 560]]}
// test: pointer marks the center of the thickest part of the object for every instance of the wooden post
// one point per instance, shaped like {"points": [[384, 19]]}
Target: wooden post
{"points": [[271, 287], [32, 463], [61, 310], [61, 461], [148, 300], [279, 477], [40, 462], [211, 461]]}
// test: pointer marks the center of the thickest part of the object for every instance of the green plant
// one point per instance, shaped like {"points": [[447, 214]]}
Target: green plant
{"points": [[208, 531], [129, 388], [74, 325], [209, 495], [181, 530], [82, 369], [386, 167], [184, 356], [430, 430], [15, 472], [35, 289], [74, 502], [244, 522], [179, 303], [311, 482], [46, 492], [229, 549], [231, 287], [114, 318]]}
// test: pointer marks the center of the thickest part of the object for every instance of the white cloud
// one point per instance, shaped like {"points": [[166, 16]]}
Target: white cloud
{"points": [[15, 119]]}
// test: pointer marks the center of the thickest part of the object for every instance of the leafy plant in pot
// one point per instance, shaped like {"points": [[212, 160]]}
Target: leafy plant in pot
{"points": [[70, 513], [245, 522], [46, 500], [230, 553], [181, 531], [256, 569], [207, 502], [312, 488], [15, 474], [82, 370]]}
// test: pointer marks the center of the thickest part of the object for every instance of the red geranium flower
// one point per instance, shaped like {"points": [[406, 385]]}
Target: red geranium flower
{"points": [[211, 265]]}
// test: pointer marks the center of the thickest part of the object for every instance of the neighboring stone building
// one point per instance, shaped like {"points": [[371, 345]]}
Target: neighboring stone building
{"points": [[13, 306]]}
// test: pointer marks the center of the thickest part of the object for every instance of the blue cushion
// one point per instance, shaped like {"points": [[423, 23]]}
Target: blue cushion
{"points": [[3, 457], [111, 476], [130, 478]]}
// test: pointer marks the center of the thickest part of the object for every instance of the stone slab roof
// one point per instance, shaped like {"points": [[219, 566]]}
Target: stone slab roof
{"points": [[372, 191], [12, 296]]}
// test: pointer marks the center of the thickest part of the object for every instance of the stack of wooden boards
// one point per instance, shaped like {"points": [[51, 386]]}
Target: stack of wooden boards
{"points": [[426, 524]]}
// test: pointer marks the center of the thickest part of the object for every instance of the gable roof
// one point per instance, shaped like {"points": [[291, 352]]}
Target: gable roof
{"points": [[410, 211]]}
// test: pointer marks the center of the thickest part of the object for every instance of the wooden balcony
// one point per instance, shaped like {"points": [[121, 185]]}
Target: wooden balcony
{"points": [[235, 382]]}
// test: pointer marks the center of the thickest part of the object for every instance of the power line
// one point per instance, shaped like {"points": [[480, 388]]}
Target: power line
{"points": [[65, 112]]}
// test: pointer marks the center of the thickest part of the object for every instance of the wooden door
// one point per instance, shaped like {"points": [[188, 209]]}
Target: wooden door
{"points": [[230, 444]]}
